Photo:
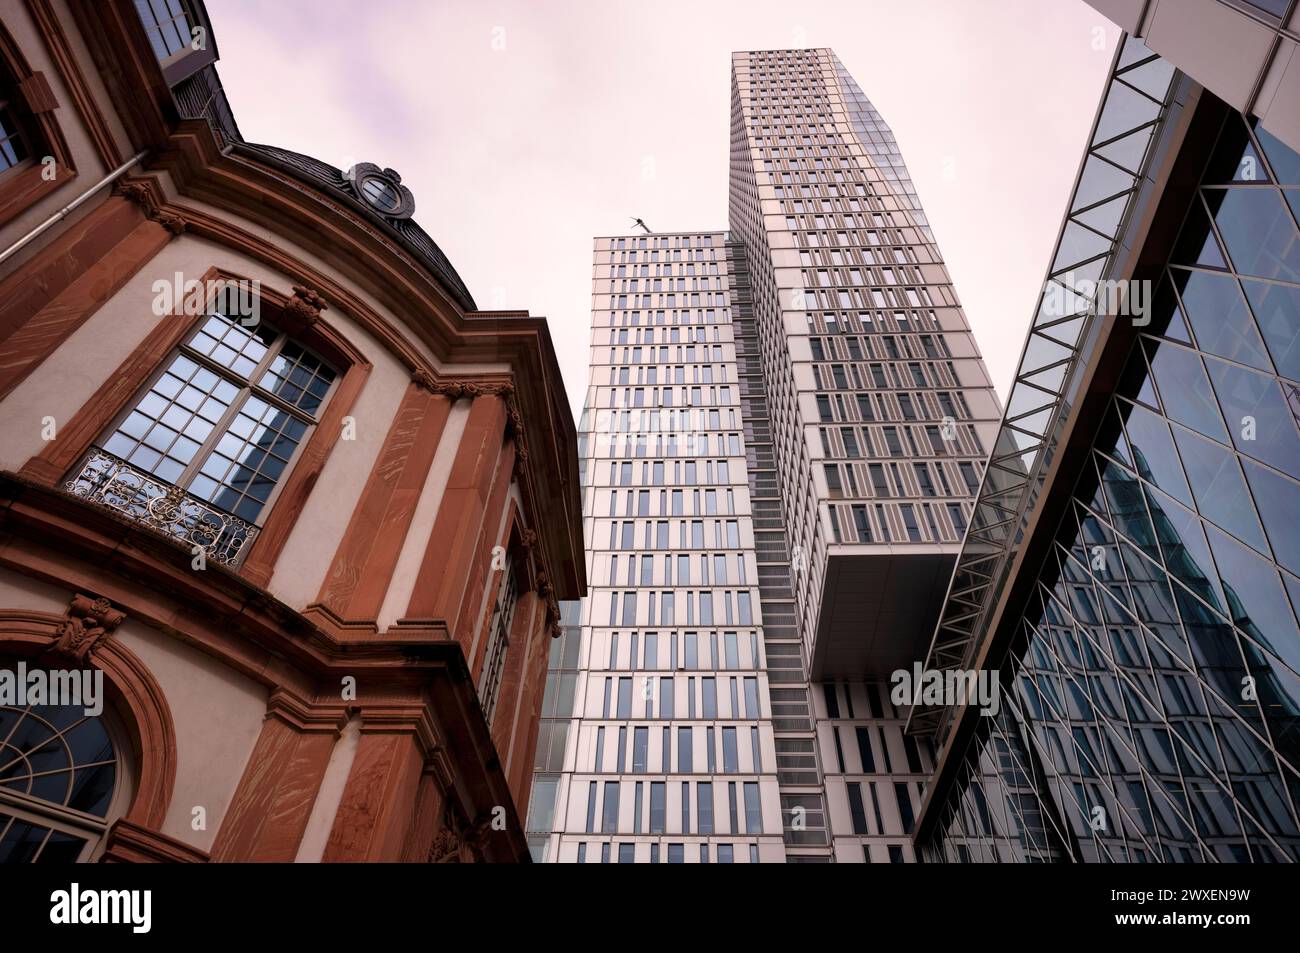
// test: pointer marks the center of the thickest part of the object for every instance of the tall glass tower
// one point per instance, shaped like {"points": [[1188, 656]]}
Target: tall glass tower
{"points": [[783, 433], [659, 739], [880, 415]]}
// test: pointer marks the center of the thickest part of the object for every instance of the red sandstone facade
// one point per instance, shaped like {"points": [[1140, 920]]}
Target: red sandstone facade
{"points": [[363, 679]]}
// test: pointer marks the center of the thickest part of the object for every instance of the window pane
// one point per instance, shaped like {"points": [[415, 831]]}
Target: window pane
{"points": [[1220, 490], [1217, 311], [1260, 422], [1184, 390], [249, 459], [1277, 309], [1258, 231], [163, 432], [300, 378]]}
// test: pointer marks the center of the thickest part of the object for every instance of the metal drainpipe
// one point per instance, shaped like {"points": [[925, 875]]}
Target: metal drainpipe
{"points": [[60, 215]]}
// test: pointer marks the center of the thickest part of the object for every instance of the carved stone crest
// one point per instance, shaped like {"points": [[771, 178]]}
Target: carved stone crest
{"points": [[86, 624], [302, 310], [459, 842]]}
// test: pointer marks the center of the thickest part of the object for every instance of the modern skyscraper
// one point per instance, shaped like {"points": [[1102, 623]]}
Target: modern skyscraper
{"points": [[783, 432], [881, 414], [670, 754]]}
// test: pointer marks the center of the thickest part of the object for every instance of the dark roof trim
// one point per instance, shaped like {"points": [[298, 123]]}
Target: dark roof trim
{"points": [[201, 96], [334, 184]]}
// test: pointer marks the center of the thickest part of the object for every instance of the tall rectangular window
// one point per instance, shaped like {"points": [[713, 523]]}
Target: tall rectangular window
{"points": [[498, 641], [658, 801], [856, 808], [640, 750], [753, 810], [684, 751], [864, 749], [704, 807], [832, 699], [709, 692], [730, 763], [957, 517], [904, 805], [609, 813]]}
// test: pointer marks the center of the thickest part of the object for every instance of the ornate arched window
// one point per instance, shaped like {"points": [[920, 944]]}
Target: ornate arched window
{"points": [[200, 453], [64, 777]]}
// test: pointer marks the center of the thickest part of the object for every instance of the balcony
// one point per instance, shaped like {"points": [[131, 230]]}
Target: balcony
{"points": [[110, 482]]}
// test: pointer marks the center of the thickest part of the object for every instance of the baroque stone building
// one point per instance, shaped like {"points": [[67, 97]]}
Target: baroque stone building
{"points": [[266, 466]]}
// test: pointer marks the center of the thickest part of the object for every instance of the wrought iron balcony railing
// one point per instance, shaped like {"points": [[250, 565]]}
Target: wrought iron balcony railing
{"points": [[111, 482]]}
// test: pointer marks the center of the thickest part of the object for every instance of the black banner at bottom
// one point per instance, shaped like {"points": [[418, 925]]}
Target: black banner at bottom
{"points": [[235, 903]]}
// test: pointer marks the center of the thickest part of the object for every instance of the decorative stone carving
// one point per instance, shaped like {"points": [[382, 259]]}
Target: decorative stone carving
{"points": [[86, 624], [547, 592], [445, 848], [137, 192], [521, 458], [456, 389], [143, 194], [173, 223], [302, 310], [422, 378], [458, 842], [514, 419]]}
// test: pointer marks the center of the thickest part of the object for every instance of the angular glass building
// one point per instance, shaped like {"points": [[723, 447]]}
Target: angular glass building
{"points": [[1132, 566]]}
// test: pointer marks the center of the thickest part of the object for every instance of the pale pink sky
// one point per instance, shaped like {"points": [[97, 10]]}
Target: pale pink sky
{"points": [[525, 128]]}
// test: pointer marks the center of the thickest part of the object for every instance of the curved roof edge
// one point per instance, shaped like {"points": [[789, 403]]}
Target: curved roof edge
{"points": [[201, 96]]}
